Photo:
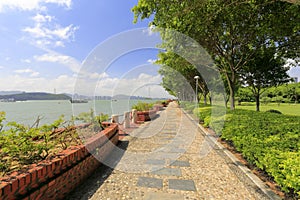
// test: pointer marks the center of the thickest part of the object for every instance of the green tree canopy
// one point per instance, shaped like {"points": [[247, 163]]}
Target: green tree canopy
{"points": [[230, 31], [263, 71]]}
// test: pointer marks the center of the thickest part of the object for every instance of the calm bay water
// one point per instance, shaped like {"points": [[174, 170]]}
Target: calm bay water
{"points": [[26, 112]]}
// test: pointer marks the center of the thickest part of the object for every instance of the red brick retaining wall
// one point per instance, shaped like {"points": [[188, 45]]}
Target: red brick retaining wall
{"points": [[55, 178], [143, 116]]}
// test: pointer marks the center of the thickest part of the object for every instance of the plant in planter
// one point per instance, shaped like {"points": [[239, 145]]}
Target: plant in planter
{"points": [[95, 121], [21, 145], [143, 106], [145, 111]]}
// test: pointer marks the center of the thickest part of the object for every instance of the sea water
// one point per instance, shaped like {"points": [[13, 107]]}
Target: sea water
{"points": [[27, 112]]}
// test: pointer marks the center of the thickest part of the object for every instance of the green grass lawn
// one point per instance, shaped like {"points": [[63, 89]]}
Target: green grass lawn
{"points": [[285, 108]]}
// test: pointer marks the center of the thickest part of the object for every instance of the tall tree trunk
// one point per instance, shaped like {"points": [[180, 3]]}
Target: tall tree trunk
{"points": [[231, 96], [231, 85], [257, 102], [257, 97], [226, 99]]}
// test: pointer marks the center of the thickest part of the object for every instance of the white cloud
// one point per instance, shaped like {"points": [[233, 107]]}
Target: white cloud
{"points": [[97, 84], [19, 4], [26, 60], [54, 57], [22, 71], [143, 85], [42, 18], [64, 33], [150, 30], [66, 3], [59, 44], [45, 32], [96, 75], [32, 4], [62, 83], [34, 74], [151, 61], [27, 71]]}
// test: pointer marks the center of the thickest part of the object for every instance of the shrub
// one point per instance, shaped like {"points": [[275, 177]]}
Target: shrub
{"points": [[274, 111], [188, 106], [21, 145], [143, 106], [269, 141], [265, 100], [202, 114]]}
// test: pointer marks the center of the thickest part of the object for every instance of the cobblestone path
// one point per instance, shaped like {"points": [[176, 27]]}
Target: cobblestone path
{"points": [[168, 158]]}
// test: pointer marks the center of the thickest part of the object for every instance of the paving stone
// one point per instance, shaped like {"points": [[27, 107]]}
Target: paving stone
{"points": [[166, 138], [169, 133], [168, 172], [177, 150], [155, 162], [187, 185], [150, 182], [163, 196], [180, 163]]}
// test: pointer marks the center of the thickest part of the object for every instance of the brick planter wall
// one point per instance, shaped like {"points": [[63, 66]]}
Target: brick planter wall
{"points": [[55, 178], [145, 115]]}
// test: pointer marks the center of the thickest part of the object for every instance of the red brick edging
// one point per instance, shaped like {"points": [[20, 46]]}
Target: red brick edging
{"points": [[55, 178], [143, 116]]}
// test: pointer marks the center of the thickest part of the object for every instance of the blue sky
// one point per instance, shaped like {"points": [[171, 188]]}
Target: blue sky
{"points": [[45, 42]]}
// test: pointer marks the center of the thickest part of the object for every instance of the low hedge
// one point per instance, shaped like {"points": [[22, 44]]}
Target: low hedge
{"points": [[266, 139], [269, 141]]}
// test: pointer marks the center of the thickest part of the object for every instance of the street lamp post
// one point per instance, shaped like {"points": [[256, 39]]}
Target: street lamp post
{"points": [[197, 78]]}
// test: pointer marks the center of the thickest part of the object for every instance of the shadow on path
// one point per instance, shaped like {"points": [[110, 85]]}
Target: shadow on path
{"points": [[92, 183]]}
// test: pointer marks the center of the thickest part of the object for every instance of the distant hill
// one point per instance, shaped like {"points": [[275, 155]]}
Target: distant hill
{"points": [[35, 96]]}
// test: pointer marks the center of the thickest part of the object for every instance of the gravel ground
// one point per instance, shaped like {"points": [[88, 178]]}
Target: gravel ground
{"points": [[168, 158]]}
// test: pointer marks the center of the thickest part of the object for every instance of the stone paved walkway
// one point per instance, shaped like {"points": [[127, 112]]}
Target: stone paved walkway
{"points": [[168, 158]]}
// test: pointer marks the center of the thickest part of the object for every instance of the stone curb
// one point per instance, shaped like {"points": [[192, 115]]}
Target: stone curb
{"points": [[260, 184]]}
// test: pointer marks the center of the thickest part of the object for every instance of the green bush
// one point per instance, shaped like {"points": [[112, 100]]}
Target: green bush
{"points": [[187, 106], [266, 139], [90, 117], [274, 111], [269, 141], [203, 114], [22, 145], [143, 106]]}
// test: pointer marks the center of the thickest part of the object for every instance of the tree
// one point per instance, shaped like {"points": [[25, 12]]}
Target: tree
{"points": [[244, 95], [230, 31], [263, 71], [293, 91], [182, 84]]}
